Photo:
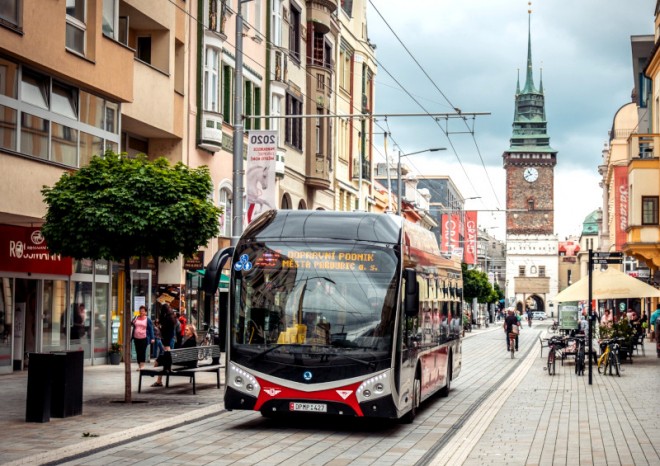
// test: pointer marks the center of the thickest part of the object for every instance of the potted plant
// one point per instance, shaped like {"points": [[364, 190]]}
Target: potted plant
{"points": [[115, 354]]}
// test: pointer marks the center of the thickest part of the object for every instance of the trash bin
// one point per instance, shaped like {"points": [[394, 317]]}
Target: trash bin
{"points": [[67, 383], [37, 406]]}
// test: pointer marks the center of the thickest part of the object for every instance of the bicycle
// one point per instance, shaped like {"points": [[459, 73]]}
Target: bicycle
{"points": [[555, 345], [610, 357], [512, 343]]}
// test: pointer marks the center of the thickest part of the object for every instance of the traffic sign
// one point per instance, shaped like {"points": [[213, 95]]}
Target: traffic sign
{"points": [[607, 261], [607, 255]]}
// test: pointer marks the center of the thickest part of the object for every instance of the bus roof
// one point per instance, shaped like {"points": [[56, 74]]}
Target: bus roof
{"points": [[310, 224]]}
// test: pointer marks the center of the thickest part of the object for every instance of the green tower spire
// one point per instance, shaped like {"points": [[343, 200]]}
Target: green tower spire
{"points": [[529, 123]]}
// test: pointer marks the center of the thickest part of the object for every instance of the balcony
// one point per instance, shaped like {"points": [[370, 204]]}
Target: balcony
{"points": [[211, 139], [318, 176], [643, 146], [321, 14], [280, 162]]}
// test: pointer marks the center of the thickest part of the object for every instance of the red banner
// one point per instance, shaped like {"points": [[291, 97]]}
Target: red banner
{"points": [[450, 232], [24, 249], [620, 206], [470, 237]]}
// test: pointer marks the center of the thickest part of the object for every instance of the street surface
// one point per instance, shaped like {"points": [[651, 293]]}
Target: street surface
{"points": [[499, 411]]}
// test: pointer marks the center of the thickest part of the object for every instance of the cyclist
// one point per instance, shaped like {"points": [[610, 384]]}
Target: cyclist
{"points": [[510, 321]]}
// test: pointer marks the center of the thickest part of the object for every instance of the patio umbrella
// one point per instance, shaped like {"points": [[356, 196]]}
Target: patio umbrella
{"points": [[607, 284]]}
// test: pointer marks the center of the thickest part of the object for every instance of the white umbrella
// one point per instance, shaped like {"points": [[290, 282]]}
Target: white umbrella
{"points": [[608, 284]]}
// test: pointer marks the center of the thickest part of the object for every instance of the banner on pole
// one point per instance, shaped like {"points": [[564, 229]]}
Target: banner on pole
{"points": [[450, 232], [260, 173], [470, 237], [620, 206]]}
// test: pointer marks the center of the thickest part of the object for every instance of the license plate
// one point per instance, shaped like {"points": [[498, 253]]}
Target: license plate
{"points": [[309, 407]]}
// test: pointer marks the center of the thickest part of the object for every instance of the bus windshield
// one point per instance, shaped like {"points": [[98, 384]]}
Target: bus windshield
{"points": [[300, 304]]}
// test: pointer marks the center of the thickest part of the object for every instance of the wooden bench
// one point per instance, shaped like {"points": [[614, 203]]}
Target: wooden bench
{"points": [[186, 362]]}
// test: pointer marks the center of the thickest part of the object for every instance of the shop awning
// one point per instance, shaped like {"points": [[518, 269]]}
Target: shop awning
{"points": [[607, 284]]}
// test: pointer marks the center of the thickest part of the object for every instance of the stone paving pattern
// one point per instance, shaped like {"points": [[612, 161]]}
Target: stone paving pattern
{"points": [[544, 420]]}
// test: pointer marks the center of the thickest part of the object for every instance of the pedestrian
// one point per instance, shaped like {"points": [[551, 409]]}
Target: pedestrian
{"points": [[655, 322], [510, 322], [181, 329], [167, 326], [189, 341], [606, 319], [142, 334], [157, 348]]}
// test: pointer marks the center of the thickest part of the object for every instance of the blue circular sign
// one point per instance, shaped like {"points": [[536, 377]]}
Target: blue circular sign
{"points": [[307, 376]]}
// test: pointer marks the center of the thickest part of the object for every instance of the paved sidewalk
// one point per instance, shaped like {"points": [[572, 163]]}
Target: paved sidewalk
{"points": [[539, 419]]}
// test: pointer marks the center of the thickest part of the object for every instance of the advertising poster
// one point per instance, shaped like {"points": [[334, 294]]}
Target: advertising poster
{"points": [[260, 173]]}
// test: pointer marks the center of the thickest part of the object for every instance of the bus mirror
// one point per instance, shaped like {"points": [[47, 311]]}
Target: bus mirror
{"points": [[411, 300]]}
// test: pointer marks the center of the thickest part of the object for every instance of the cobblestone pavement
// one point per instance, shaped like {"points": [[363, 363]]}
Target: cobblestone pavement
{"points": [[495, 401]]}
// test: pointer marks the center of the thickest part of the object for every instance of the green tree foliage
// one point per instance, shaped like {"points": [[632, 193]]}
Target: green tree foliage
{"points": [[119, 207], [476, 285]]}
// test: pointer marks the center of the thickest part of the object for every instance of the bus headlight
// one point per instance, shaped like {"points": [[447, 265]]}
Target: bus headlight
{"points": [[243, 381], [375, 386]]}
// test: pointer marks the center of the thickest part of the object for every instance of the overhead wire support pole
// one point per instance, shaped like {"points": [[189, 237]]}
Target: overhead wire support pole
{"points": [[237, 159]]}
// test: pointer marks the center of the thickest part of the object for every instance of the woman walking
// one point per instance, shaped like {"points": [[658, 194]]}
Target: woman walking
{"points": [[143, 334]]}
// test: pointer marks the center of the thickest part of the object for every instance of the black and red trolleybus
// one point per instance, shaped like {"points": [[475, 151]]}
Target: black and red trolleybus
{"points": [[354, 314]]}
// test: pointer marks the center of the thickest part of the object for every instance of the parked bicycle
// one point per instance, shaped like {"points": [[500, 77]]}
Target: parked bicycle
{"points": [[556, 346], [609, 360]]}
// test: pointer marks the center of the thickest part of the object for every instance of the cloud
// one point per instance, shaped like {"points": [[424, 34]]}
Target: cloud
{"points": [[472, 50]]}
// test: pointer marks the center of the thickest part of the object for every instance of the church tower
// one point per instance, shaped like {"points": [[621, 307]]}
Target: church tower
{"points": [[532, 262]]}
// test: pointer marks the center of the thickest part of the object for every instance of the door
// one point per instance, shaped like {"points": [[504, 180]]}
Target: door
{"points": [[26, 309], [140, 296]]}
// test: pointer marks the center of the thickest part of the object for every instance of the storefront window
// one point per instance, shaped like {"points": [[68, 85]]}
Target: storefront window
{"points": [[81, 305], [101, 320], [54, 315], [6, 312]]}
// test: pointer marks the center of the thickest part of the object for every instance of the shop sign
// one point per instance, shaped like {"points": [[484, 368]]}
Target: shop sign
{"points": [[24, 249], [195, 262]]}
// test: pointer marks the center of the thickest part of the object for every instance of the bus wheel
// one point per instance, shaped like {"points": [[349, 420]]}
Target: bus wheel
{"points": [[444, 391], [409, 417]]}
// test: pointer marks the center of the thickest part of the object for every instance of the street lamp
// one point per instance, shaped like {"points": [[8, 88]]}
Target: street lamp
{"points": [[398, 172]]}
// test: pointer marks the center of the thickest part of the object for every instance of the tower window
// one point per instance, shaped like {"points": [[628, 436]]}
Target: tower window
{"points": [[541, 270], [521, 271], [530, 203]]}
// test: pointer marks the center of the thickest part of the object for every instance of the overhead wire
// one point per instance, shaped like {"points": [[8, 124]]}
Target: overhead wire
{"points": [[442, 94]]}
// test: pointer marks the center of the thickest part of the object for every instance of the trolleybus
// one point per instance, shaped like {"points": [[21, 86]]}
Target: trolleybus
{"points": [[354, 314]]}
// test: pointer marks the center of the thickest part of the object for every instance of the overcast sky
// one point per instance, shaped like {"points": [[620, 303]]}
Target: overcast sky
{"points": [[472, 50]]}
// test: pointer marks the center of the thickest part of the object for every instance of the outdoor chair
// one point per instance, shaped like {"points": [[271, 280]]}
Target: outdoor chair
{"points": [[544, 344]]}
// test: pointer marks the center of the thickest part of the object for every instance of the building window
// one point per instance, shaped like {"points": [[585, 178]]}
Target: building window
{"points": [[530, 203], [211, 80], [9, 11], [228, 94], [252, 105], [225, 202], [110, 20], [649, 210], [257, 15], [143, 49], [34, 89], [276, 20], [75, 25], [294, 134], [65, 100], [541, 270], [217, 15], [521, 270], [294, 32], [319, 131]]}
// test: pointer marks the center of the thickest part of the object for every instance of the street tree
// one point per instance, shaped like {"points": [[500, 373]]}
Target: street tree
{"points": [[119, 207], [476, 285]]}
